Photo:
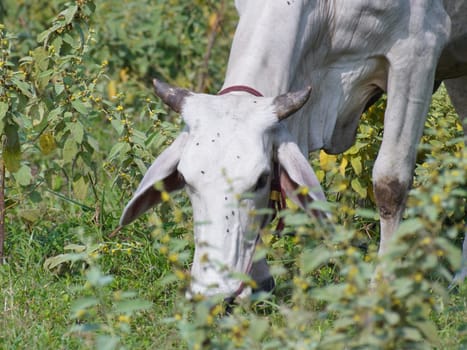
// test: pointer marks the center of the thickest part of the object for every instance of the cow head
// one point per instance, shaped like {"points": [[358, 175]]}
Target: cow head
{"points": [[224, 159]]}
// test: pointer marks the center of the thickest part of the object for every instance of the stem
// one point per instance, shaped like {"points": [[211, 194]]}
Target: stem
{"points": [[2, 210]]}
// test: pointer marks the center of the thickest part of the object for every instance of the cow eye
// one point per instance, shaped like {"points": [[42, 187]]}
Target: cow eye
{"points": [[262, 181]]}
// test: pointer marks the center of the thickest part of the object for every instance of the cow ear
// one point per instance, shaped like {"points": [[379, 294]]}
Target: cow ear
{"points": [[296, 174], [164, 169]]}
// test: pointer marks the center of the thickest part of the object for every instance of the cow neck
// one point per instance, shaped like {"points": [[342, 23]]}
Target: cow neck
{"points": [[240, 88]]}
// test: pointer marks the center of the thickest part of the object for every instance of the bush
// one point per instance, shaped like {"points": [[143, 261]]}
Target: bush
{"points": [[71, 85]]}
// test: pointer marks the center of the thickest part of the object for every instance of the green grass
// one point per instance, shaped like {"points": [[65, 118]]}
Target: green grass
{"points": [[76, 197], [36, 303]]}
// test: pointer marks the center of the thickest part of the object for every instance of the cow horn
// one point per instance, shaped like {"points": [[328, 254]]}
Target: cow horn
{"points": [[171, 95], [289, 103]]}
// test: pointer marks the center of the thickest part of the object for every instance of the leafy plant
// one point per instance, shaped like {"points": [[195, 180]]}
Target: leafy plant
{"points": [[80, 126]]}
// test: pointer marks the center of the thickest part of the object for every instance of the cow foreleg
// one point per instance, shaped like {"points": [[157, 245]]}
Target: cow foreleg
{"points": [[457, 89], [410, 84], [262, 276]]}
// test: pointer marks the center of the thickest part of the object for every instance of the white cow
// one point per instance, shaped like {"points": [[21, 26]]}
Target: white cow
{"points": [[349, 51]]}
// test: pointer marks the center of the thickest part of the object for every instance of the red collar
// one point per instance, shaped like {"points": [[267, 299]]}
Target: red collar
{"points": [[241, 88]]}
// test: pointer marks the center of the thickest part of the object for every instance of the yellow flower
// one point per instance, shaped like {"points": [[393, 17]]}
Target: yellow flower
{"points": [[165, 196], [216, 310], [379, 310], [436, 199], [181, 275], [209, 320], [303, 190], [353, 271], [173, 257], [351, 251], [418, 277], [124, 319], [350, 290], [426, 241], [119, 108]]}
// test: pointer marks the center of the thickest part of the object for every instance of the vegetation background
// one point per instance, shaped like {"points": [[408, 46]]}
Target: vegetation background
{"points": [[79, 127]]}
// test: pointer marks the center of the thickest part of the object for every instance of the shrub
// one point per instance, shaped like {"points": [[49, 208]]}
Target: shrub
{"points": [[80, 126]]}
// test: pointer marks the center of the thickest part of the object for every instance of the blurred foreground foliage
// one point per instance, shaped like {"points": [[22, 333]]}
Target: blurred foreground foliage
{"points": [[80, 125]]}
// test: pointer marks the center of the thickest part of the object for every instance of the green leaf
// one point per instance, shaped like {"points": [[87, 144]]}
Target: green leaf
{"points": [[409, 226], [330, 293], [59, 88], [83, 304], [77, 131], [130, 306], [70, 150], [79, 248], [141, 166], [356, 164], [80, 107], [3, 110], [68, 14], [258, 329], [54, 261], [43, 37], [80, 189], [96, 278], [43, 79], [403, 286], [429, 330], [23, 176], [357, 187], [118, 126], [366, 213], [453, 254], [24, 87], [119, 150], [107, 342], [31, 215], [12, 149], [311, 259], [412, 334], [40, 59]]}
